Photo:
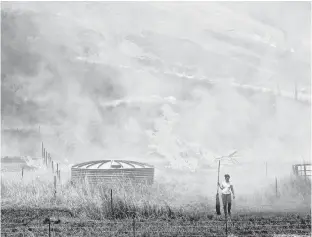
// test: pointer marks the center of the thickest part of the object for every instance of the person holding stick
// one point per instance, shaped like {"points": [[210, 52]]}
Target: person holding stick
{"points": [[226, 189]]}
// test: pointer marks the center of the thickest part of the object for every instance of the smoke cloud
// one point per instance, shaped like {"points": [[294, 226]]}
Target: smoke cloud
{"points": [[118, 80]]}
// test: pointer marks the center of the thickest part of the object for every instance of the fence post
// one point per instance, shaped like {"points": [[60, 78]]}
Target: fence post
{"points": [[133, 224], [42, 150], [49, 227], [22, 172], [54, 186], [226, 226], [111, 194], [43, 155]]}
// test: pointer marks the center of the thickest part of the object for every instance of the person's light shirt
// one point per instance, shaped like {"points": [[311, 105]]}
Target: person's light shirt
{"points": [[226, 187]]}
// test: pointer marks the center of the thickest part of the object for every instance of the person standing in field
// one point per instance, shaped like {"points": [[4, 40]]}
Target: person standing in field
{"points": [[226, 190]]}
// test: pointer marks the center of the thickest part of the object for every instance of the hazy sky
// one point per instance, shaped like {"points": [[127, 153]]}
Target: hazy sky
{"points": [[168, 33], [293, 17]]}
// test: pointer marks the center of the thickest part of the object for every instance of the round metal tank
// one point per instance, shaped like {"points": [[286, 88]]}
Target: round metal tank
{"points": [[110, 171]]}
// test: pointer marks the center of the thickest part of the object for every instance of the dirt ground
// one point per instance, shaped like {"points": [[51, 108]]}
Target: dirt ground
{"points": [[35, 222]]}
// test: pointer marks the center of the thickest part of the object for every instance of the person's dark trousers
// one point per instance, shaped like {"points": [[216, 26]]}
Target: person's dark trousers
{"points": [[227, 203]]}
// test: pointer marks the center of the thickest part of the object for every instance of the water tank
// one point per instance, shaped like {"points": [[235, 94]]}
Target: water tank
{"points": [[112, 171]]}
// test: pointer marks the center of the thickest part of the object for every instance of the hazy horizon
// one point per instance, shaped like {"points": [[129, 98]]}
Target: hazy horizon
{"points": [[156, 81]]}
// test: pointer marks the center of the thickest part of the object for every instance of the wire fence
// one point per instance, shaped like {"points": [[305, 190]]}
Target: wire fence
{"points": [[157, 228]]}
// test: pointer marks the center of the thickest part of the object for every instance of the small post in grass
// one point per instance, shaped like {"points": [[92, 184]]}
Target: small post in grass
{"points": [[133, 225], [22, 172], [42, 155], [226, 226], [46, 157], [54, 186], [49, 227], [111, 195]]}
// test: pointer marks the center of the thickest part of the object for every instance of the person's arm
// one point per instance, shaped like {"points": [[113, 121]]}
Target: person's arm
{"points": [[220, 186], [232, 189]]}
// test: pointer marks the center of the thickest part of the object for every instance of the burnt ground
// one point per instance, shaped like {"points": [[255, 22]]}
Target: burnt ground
{"points": [[35, 222]]}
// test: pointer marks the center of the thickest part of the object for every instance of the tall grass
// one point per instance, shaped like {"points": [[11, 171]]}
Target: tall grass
{"points": [[157, 201], [290, 194], [94, 201]]}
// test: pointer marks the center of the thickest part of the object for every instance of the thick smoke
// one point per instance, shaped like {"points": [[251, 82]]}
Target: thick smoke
{"points": [[104, 81]]}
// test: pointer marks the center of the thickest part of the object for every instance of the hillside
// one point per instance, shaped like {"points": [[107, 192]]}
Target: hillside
{"points": [[133, 79]]}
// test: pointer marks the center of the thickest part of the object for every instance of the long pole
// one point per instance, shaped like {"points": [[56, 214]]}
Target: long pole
{"points": [[218, 211], [218, 177]]}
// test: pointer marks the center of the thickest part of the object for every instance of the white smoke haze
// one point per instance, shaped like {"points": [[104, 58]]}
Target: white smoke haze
{"points": [[120, 80]]}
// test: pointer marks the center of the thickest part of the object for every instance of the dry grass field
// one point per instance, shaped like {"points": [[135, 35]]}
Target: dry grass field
{"points": [[85, 210]]}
